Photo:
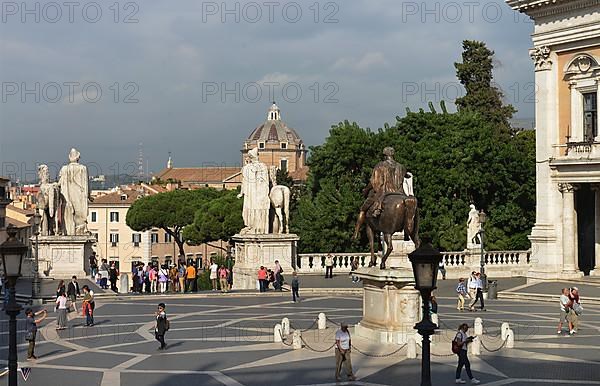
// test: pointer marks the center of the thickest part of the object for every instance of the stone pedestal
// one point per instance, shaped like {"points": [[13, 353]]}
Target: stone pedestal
{"points": [[252, 251], [65, 256], [391, 305], [399, 256]]}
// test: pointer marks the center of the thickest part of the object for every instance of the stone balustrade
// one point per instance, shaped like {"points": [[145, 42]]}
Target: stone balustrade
{"points": [[458, 264], [315, 262]]}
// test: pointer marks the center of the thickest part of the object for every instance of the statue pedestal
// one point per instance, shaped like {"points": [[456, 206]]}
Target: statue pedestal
{"points": [[65, 256], [390, 305], [254, 250], [399, 256]]}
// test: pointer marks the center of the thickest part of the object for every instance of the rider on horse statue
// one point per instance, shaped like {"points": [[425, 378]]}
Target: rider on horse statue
{"points": [[387, 177]]}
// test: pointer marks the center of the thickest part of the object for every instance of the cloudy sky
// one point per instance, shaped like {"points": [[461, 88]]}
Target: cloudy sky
{"points": [[194, 78]]}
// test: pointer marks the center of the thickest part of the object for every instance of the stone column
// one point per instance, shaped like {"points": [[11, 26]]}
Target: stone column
{"points": [[568, 228], [596, 270]]}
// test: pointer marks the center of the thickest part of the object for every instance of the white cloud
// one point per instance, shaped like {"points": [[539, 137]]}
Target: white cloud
{"points": [[367, 62]]}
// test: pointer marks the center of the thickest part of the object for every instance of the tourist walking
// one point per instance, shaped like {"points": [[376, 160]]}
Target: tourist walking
{"points": [[88, 306], [262, 278], [162, 326], [278, 276], [214, 267], [329, 266], [478, 283], [113, 274], [223, 274], [173, 279], [61, 309], [343, 345], [61, 289], [574, 310], [31, 327], [93, 265], [181, 274], [295, 287], [104, 268], [153, 276], [462, 340], [163, 278], [190, 277], [73, 292], [442, 269], [461, 291], [564, 310]]}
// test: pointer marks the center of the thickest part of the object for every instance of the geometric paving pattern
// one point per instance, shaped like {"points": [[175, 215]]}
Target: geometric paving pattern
{"points": [[228, 340]]}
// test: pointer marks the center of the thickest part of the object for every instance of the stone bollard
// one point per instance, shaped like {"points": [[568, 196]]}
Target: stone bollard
{"points": [[296, 340], [124, 283], [504, 330], [510, 342], [475, 346], [478, 326], [285, 326], [435, 320], [322, 323], [277, 333], [411, 348]]}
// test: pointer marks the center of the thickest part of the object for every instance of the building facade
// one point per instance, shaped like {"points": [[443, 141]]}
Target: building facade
{"points": [[278, 145], [566, 54], [117, 242], [4, 201]]}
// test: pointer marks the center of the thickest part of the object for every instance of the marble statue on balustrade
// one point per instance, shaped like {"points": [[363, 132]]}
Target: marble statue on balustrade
{"points": [[472, 228], [48, 203], [255, 191], [75, 195]]}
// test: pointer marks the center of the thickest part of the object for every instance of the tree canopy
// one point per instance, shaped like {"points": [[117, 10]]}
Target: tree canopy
{"points": [[170, 211], [217, 219]]}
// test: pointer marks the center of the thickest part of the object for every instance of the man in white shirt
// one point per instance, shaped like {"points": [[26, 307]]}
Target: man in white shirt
{"points": [[214, 268], [329, 266], [564, 310], [477, 284], [343, 343]]}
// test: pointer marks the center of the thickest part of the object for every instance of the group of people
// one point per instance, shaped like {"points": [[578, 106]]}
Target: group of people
{"points": [[470, 289], [150, 278], [267, 277], [570, 310]]}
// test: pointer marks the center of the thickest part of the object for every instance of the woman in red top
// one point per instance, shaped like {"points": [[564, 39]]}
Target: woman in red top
{"points": [[262, 278]]}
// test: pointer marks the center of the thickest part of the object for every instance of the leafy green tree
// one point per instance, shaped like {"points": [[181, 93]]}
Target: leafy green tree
{"points": [[475, 74], [217, 219], [170, 211]]}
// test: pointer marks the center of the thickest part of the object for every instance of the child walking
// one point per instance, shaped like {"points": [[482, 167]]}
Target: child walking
{"points": [[295, 287], [162, 326]]}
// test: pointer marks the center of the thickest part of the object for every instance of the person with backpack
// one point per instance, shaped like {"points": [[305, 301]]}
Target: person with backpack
{"points": [[574, 310], [162, 326], [459, 347], [461, 291]]}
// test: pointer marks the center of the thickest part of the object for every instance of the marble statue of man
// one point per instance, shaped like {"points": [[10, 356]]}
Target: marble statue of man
{"points": [[48, 203], [73, 182], [255, 190], [472, 227]]}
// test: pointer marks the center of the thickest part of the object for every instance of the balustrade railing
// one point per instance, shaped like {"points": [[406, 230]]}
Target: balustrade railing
{"points": [[463, 260]]}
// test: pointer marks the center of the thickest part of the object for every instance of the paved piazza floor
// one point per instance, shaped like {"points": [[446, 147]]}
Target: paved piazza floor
{"points": [[227, 340]]}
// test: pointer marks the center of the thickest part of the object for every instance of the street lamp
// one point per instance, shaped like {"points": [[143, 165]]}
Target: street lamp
{"points": [[12, 252], [482, 219], [425, 261], [36, 289]]}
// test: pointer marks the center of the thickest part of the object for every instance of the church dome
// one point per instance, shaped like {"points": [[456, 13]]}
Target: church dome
{"points": [[274, 130]]}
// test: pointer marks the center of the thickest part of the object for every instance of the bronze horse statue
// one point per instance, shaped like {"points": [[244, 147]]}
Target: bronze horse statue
{"points": [[399, 213]]}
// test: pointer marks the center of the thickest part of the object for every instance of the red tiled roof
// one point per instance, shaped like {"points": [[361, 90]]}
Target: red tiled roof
{"points": [[300, 174], [198, 175]]}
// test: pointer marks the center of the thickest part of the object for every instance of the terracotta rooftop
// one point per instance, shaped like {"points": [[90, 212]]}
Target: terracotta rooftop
{"points": [[16, 223], [203, 175], [120, 197], [26, 212], [300, 174]]}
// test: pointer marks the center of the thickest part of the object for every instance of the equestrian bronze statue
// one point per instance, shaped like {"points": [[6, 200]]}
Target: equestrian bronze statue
{"points": [[388, 208]]}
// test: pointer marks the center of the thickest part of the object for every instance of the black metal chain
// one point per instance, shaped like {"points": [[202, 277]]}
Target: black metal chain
{"points": [[283, 339], [380, 355], [314, 349], [498, 349]]}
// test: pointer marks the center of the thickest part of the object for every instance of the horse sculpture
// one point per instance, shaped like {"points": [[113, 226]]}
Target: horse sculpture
{"points": [[280, 201], [49, 203], [399, 214]]}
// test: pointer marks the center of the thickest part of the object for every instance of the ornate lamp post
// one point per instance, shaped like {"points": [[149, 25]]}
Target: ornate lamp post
{"points": [[12, 252], [36, 289], [482, 219], [425, 261]]}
